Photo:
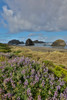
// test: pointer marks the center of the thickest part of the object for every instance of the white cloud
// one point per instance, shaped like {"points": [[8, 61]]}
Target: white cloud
{"points": [[35, 34], [39, 36], [36, 15]]}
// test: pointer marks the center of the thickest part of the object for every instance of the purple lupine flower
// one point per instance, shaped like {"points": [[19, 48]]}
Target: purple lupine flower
{"points": [[23, 72], [20, 81], [5, 96], [27, 76], [65, 93], [24, 77], [38, 73], [54, 98], [62, 83], [30, 98], [55, 94], [32, 71], [10, 74], [43, 83], [51, 83], [18, 98], [46, 69], [9, 95], [6, 80], [0, 90], [28, 91], [12, 83], [59, 80], [39, 97], [26, 82], [36, 78], [11, 65], [32, 77], [51, 77], [3, 70], [61, 96], [66, 96], [43, 66], [14, 68], [26, 61], [30, 66], [45, 75], [41, 78], [31, 84], [65, 90], [58, 87], [33, 61], [20, 61], [34, 82], [56, 78]]}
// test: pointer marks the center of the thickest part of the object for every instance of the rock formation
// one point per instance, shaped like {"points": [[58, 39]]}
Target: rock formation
{"points": [[59, 42], [29, 42], [14, 42], [36, 41]]}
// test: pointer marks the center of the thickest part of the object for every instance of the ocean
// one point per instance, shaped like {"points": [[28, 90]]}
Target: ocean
{"points": [[48, 45]]}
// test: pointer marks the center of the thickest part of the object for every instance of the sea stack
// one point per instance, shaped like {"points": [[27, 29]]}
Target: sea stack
{"points": [[59, 42], [29, 42]]}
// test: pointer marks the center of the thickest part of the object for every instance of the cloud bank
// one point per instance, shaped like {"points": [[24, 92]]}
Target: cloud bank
{"points": [[35, 15]]}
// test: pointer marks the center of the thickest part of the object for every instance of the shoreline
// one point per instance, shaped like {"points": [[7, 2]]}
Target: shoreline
{"points": [[43, 49]]}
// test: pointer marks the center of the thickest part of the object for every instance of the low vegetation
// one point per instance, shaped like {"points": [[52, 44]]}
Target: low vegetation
{"points": [[55, 61], [58, 58], [4, 48], [23, 79], [32, 75], [58, 70]]}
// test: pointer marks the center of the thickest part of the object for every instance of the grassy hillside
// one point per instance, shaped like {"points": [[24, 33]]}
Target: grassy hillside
{"points": [[59, 58], [4, 48], [28, 75]]}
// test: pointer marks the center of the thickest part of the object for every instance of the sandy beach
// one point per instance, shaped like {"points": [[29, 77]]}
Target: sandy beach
{"points": [[45, 49]]}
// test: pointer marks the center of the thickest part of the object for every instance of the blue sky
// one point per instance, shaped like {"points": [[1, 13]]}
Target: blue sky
{"points": [[35, 22]]}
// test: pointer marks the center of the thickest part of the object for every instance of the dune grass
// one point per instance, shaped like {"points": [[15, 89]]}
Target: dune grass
{"points": [[4, 48], [55, 61], [58, 58]]}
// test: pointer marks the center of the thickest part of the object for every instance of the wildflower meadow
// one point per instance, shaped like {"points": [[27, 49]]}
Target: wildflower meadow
{"points": [[25, 79]]}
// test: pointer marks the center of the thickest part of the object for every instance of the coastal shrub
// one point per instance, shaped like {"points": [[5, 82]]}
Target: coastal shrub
{"points": [[4, 48], [23, 79], [62, 66], [59, 71], [48, 63], [2, 58], [17, 52]]}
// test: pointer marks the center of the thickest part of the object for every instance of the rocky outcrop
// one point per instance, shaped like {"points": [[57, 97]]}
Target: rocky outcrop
{"points": [[29, 42], [36, 41], [47, 43], [21, 42], [59, 42], [14, 42]]}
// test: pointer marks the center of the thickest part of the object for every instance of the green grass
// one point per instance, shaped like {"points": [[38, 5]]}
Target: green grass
{"points": [[4, 48], [58, 70]]}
